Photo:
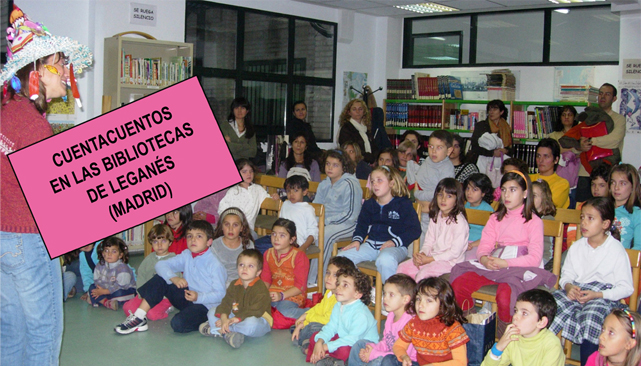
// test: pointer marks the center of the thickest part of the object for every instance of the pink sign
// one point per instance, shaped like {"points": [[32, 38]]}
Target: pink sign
{"points": [[125, 167]]}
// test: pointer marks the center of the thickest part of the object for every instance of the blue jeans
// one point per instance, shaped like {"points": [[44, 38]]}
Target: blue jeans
{"points": [[120, 295], [289, 309], [250, 327], [31, 302], [355, 360], [68, 282], [307, 332], [387, 260]]}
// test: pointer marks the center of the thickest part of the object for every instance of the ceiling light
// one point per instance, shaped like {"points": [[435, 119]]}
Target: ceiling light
{"points": [[437, 38], [426, 8], [562, 11], [572, 1], [441, 58]]}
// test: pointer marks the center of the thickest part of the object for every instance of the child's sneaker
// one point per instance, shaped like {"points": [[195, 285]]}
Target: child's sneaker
{"points": [[132, 324], [234, 339], [205, 330], [330, 361]]}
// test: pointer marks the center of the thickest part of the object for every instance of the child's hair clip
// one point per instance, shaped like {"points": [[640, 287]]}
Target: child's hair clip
{"points": [[386, 168], [338, 151], [632, 325]]}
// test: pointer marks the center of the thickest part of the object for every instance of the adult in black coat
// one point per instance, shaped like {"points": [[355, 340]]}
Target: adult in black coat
{"points": [[298, 125], [356, 125]]}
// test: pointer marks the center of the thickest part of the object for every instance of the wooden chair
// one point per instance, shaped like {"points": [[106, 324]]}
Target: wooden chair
{"points": [[550, 228], [369, 268], [635, 264], [269, 211], [315, 251], [566, 216]]}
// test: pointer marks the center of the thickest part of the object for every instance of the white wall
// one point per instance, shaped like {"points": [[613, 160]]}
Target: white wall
{"points": [[90, 22], [630, 48]]}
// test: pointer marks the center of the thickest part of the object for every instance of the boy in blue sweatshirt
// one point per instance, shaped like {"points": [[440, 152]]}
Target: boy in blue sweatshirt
{"points": [[201, 288]]}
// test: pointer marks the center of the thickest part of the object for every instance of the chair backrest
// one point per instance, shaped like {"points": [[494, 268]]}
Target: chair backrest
{"points": [[270, 204], [570, 216], [554, 229], [477, 217], [635, 263], [320, 213], [271, 182]]}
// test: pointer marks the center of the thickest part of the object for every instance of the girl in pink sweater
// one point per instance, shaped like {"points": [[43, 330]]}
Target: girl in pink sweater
{"points": [[512, 237], [447, 234]]}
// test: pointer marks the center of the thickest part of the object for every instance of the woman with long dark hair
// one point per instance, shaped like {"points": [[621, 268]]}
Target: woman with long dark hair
{"points": [[239, 130]]}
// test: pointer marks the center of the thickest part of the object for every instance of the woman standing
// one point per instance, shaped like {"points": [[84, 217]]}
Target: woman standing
{"points": [[299, 125], [239, 130], [568, 120], [495, 123], [356, 125], [37, 69]]}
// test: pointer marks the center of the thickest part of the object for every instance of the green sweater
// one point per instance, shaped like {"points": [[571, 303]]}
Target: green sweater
{"points": [[147, 268], [245, 302], [240, 147], [544, 349]]}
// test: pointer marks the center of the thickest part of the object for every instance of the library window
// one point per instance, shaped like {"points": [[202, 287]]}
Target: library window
{"points": [[579, 35], [271, 59], [595, 26]]}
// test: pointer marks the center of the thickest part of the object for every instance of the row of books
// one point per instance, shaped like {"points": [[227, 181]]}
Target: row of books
{"points": [[154, 71], [527, 153], [579, 93], [415, 116], [535, 124], [462, 119], [423, 87]]}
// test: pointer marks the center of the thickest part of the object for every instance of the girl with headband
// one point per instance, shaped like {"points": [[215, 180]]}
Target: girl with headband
{"points": [[511, 245]]}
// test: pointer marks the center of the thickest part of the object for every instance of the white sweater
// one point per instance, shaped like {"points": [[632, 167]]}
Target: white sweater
{"points": [[608, 263], [247, 200], [304, 216]]}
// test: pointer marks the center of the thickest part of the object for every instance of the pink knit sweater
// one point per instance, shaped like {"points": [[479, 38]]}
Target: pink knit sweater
{"points": [[22, 125], [513, 230]]}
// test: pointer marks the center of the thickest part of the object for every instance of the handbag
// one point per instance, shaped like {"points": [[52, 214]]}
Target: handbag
{"points": [[480, 329]]}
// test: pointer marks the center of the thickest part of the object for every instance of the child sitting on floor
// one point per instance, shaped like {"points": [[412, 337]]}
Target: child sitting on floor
{"points": [[435, 332], [201, 288], [114, 281], [350, 321], [160, 237], [285, 271], [231, 237], [528, 341], [397, 295], [245, 310], [314, 319]]}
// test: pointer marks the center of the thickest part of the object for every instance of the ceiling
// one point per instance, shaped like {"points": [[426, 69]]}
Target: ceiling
{"points": [[386, 7]]}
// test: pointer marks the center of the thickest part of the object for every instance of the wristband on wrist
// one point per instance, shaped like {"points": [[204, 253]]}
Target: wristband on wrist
{"points": [[282, 296], [495, 351]]}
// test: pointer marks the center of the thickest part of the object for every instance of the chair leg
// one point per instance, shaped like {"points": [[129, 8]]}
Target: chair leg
{"points": [[378, 301]]}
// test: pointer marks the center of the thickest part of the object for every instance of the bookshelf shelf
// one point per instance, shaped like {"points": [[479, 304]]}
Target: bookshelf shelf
{"points": [[136, 67]]}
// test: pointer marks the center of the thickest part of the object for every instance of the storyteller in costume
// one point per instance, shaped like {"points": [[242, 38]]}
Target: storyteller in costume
{"points": [[39, 67]]}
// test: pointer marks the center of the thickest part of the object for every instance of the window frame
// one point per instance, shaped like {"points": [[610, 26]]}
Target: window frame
{"points": [[407, 55], [239, 74]]}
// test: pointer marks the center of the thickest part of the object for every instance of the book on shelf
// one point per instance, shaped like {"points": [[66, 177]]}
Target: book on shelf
{"points": [[413, 116], [535, 124], [579, 93], [527, 153], [154, 71], [399, 89]]}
